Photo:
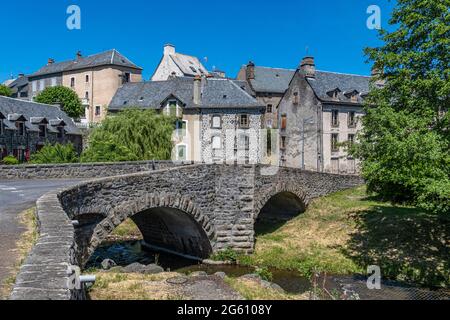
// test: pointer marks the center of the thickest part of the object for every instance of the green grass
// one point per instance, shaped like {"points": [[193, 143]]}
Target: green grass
{"points": [[347, 231]]}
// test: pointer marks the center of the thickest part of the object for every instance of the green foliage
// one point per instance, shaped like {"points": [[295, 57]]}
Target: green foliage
{"points": [[67, 98], [226, 255], [10, 161], [405, 142], [5, 91], [58, 153], [131, 135], [264, 273]]}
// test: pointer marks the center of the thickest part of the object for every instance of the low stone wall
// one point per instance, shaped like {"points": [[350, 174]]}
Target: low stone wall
{"points": [[82, 170]]}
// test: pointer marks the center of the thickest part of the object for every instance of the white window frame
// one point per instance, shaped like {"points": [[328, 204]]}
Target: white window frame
{"points": [[177, 152], [214, 140]]}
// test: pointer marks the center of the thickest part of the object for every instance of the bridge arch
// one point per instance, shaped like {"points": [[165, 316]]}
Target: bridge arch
{"points": [[281, 197], [182, 225]]}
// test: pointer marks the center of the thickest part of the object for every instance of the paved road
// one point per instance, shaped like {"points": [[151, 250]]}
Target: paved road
{"points": [[15, 197]]}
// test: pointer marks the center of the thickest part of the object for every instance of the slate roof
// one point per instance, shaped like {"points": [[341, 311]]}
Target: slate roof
{"points": [[217, 93], [20, 82], [13, 107], [110, 57], [273, 80], [325, 82], [189, 65]]}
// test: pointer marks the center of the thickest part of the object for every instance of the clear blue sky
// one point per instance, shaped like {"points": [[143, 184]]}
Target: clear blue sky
{"points": [[228, 32]]}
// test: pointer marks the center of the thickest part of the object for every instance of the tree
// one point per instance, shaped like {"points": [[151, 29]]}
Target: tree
{"points": [[405, 143], [58, 153], [5, 91], [132, 135], [67, 98]]}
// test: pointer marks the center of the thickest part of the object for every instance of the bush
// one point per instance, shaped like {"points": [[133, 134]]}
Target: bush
{"points": [[10, 161], [58, 153], [66, 97], [5, 91]]}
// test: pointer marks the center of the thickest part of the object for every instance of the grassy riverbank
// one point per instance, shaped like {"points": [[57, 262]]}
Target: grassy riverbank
{"points": [[345, 232], [23, 248]]}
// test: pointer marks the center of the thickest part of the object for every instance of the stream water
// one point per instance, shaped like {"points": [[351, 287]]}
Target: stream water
{"points": [[128, 252]]}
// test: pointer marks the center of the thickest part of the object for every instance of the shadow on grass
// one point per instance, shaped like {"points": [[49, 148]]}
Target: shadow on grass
{"points": [[408, 244]]}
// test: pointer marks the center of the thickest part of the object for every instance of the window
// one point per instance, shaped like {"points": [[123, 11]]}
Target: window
{"points": [[34, 86], [98, 110], [20, 128], [335, 166], [334, 142], [127, 77], [181, 127], [352, 119], [42, 130], [244, 121], [269, 124], [216, 122], [335, 118], [60, 132], [172, 109], [244, 142], [181, 153], [86, 95], [296, 100], [216, 143], [283, 122], [283, 143], [351, 139], [24, 94], [53, 82], [72, 82], [87, 78], [41, 85], [269, 108]]}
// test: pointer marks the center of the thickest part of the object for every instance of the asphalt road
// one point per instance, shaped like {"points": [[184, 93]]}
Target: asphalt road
{"points": [[15, 197]]}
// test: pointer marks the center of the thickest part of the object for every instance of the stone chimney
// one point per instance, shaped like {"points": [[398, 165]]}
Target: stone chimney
{"points": [[79, 55], [377, 74], [50, 61], [21, 75], [169, 49], [308, 67], [250, 71], [197, 90]]}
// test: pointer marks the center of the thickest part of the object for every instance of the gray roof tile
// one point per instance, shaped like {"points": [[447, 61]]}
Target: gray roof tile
{"points": [[9, 106], [217, 93], [110, 57]]}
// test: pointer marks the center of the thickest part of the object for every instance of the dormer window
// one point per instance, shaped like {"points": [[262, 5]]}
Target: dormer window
{"points": [[352, 95], [20, 128], [42, 130], [334, 94]]}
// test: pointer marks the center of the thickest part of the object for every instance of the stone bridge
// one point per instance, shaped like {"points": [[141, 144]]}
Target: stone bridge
{"points": [[194, 210]]}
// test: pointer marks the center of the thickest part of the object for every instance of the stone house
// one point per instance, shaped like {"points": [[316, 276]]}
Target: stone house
{"points": [[268, 85], [94, 78], [19, 87], [319, 113], [217, 119], [25, 127], [174, 64]]}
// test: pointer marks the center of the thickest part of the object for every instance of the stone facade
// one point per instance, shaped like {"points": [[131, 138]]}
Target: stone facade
{"points": [[319, 114]]}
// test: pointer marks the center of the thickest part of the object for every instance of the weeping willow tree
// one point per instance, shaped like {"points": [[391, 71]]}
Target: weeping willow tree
{"points": [[133, 134]]}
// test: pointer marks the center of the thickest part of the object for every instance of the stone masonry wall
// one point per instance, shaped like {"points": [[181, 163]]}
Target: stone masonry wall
{"points": [[81, 171]]}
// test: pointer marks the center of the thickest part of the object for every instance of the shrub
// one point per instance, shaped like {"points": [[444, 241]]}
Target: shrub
{"points": [[226, 255], [264, 273], [10, 161], [58, 153]]}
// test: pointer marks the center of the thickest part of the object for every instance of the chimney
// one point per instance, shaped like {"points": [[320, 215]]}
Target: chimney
{"points": [[79, 55], [308, 67], [250, 71], [197, 90], [21, 75], [377, 74], [51, 61], [169, 49]]}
